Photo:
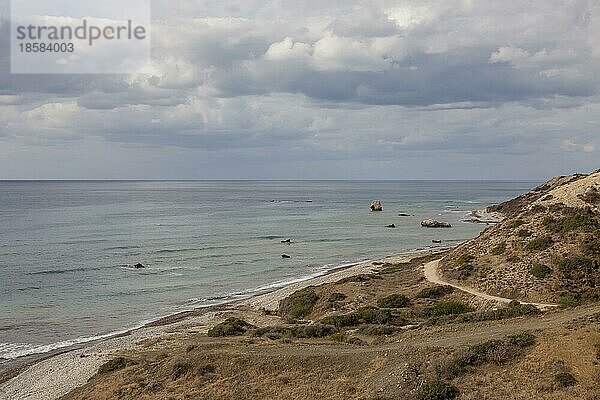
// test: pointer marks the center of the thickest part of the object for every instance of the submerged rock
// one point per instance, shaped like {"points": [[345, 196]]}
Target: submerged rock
{"points": [[404, 215], [376, 205], [432, 223]]}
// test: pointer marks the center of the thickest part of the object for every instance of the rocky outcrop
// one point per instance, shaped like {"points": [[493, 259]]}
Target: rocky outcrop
{"points": [[432, 223], [376, 205]]}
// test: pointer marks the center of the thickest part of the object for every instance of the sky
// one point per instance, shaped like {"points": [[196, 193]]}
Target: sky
{"points": [[337, 89]]}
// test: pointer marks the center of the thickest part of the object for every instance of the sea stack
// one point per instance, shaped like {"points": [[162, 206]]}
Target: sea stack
{"points": [[376, 205]]}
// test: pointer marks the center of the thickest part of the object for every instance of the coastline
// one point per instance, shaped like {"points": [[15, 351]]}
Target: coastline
{"points": [[50, 375]]}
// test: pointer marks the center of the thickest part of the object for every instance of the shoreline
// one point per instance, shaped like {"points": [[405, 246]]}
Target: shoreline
{"points": [[59, 371]]}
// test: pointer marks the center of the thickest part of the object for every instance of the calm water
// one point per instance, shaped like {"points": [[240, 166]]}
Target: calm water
{"points": [[66, 247]]}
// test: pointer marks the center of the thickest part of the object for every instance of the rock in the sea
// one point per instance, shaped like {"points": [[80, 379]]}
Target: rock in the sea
{"points": [[376, 205], [287, 241], [436, 241], [285, 256], [391, 226], [404, 215], [432, 223], [139, 266]]}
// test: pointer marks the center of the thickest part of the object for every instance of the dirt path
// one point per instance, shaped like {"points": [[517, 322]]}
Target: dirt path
{"points": [[432, 275]]}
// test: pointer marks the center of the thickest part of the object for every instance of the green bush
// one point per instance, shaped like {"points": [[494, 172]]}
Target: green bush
{"points": [[342, 320], [316, 330], [574, 219], [115, 364], [540, 270], [393, 301], [372, 315], [464, 259], [437, 390], [514, 309], [449, 308], [377, 330], [565, 379], [299, 304], [569, 301], [574, 263], [230, 327], [499, 249], [366, 315], [540, 243], [435, 292]]}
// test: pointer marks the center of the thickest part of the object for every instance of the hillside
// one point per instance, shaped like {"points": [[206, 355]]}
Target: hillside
{"points": [[546, 249]]}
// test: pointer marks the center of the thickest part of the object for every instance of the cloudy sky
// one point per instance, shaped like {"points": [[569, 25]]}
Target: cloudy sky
{"points": [[337, 89]]}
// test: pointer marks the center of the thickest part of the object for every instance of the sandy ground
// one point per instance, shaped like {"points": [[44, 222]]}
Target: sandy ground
{"points": [[567, 194], [432, 275], [54, 377]]}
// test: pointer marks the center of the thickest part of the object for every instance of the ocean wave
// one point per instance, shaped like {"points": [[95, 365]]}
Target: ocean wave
{"points": [[10, 351]]}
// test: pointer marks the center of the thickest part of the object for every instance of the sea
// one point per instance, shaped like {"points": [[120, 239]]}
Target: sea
{"points": [[67, 248]]}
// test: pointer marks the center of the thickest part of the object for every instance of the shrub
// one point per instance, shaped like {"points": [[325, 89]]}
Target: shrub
{"points": [[377, 330], [449, 308], [179, 369], [523, 233], [115, 364], [515, 224], [437, 390], [565, 379], [514, 309], [592, 196], [574, 219], [493, 351], [342, 320], [230, 327], [333, 297], [464, 259], [435, 292], [299, 304], [316, 330], [499, 249], [540, 270], [574, 263], [513, 259], [372, 315], [591, 248], [569, 301], [393, 301], [540, 243]]}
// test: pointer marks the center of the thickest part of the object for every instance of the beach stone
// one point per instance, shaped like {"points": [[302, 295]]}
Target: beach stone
{"points": [[376, 205], [432, 223]]}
